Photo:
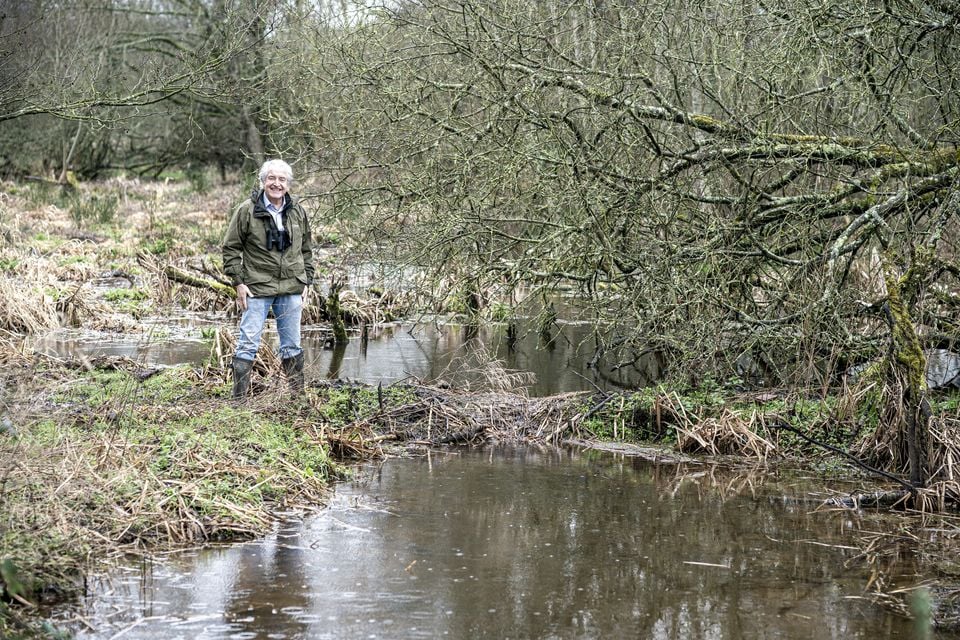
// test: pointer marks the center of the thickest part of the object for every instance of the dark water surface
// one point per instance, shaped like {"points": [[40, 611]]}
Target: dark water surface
{"points": [[393, 352], [518, 543]]}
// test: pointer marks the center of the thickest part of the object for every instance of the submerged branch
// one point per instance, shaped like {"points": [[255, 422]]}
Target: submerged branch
{"points": [[851, 458]]}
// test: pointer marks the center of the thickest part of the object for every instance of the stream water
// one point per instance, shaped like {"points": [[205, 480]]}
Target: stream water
{"points": [[518, 543]]}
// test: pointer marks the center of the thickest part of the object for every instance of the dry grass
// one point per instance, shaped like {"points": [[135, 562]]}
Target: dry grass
{"points": [[886, 448], [368, 310], [26, 308], [726, 433], [266, 365], [13, 350]]}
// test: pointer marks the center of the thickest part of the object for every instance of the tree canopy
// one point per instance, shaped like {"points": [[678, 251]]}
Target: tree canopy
{"points": [[719, 180]]}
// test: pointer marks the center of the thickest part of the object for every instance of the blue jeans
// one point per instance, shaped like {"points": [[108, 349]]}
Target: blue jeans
{"points": [[286, 309]]}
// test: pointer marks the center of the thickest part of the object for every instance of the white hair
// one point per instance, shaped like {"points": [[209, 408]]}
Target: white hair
{"points": [[277, 166]]}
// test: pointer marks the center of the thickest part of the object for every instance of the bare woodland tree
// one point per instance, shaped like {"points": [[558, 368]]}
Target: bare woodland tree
{"points": [[771, 179], [138, 82]]}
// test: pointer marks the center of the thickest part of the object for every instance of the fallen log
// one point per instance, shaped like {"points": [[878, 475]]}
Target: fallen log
{"points": [[179, 275]]}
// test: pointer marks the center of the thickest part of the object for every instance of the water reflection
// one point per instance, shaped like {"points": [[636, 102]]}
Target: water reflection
{"points": [[426, 351], [461, 355], [519, 543], [183, 338]]}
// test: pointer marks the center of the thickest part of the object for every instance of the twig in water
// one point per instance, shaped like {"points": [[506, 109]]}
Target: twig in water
{"points": [[889, 476]]}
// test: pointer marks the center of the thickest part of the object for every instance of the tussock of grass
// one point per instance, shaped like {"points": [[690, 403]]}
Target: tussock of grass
{"points": [[25, 309], [727, 433]]}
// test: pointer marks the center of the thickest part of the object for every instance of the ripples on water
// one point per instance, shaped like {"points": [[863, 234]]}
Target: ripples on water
{"points": [[519, 543]]}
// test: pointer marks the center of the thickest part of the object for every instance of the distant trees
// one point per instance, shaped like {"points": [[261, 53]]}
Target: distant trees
{"points": [[136, 84]]}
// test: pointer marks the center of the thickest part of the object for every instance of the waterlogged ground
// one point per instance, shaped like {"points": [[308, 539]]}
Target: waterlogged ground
{"points": [[520, 543], [501, 543]]}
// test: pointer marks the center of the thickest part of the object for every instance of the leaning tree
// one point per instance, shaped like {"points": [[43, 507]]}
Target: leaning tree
{"points": [[764, 186]]}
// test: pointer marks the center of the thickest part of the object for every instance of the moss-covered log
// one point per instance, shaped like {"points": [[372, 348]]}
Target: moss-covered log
{"points": [[335, 314], [179, 275]]}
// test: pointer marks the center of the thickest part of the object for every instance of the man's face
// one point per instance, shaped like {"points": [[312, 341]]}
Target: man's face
{"points": [[276, 186]]}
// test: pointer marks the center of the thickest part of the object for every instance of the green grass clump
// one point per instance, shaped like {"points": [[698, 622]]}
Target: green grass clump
{"points": [[341, 406], [627, 417], [132, 301], [120, 295], [93, 208]]}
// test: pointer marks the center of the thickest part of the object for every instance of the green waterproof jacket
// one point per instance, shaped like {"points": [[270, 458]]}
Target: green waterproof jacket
{"points": [[252, 254]]}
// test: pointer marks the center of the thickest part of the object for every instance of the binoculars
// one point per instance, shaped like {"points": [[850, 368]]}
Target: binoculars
{"points": [[277, 239]]}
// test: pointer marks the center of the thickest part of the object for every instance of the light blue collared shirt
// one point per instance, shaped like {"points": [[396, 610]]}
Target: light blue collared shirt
{"points": [[274, 212]]}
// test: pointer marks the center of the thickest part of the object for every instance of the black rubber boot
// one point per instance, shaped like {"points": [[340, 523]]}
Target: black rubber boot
{"points": [[293, 367], [241, 377]]}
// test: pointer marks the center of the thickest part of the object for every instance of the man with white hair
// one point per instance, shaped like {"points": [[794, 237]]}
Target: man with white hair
{"points": [[268, 255]]}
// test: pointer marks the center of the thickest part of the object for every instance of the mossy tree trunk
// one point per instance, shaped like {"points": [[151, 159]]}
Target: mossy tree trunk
{"points": [[907, 372], [336, 314]]}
